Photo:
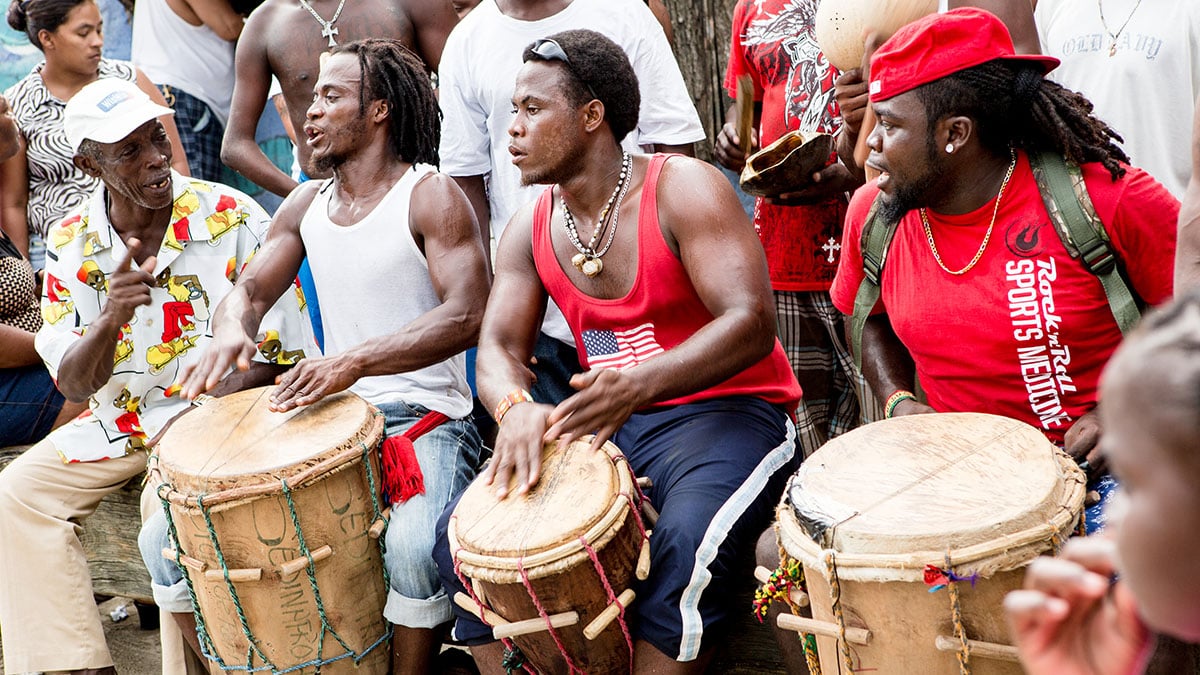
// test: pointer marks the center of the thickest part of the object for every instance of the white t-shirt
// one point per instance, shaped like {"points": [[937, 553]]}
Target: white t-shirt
{"points": [[478, 73], [1147, 90], [193, 58]]}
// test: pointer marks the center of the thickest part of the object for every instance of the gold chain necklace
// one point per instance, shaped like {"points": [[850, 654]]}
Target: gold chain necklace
{"points": [[1112, 48], [986, 237]]}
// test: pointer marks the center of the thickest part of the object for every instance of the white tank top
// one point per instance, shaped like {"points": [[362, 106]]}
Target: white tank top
{"points": [[373, 280], [173, 52]]}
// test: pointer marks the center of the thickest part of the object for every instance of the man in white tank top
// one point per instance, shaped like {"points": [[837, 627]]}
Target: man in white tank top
{"points": [[397, 257]]}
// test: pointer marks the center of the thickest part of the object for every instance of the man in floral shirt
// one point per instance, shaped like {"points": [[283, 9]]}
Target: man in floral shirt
{"points": [[130, 278]]}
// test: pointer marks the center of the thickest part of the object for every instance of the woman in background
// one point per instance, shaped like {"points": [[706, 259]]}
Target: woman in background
{"points": [[40, 185]]}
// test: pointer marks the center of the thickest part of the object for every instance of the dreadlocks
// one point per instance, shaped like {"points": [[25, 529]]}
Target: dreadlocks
{"points": [[1013, 104], [392, 73]]}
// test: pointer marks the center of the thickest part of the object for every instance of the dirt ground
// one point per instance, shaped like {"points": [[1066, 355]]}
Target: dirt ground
{"points": [[134, 650]]}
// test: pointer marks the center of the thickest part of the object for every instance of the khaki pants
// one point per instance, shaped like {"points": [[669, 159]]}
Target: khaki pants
{"points": [[47, 613]]}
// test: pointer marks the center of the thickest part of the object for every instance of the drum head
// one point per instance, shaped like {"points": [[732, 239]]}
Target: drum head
{"points": [[931, 482], [236, 441], [575, 493]]}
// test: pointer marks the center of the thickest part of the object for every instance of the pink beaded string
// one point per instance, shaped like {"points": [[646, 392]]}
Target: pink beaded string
{"points": [[571, 667], [612, 597], [462, 579]]}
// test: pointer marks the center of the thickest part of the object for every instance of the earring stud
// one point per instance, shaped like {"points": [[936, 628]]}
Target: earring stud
{"points": [[949, 148]]}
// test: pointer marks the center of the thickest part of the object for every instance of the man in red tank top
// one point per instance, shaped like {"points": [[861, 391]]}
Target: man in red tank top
{"points": [[665, 287]]}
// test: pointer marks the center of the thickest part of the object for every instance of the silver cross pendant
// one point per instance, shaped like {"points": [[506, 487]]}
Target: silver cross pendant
{"points": [[329, 31]]}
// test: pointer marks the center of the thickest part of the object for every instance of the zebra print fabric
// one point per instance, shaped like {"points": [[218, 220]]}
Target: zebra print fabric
{"points": [[56, 187]]}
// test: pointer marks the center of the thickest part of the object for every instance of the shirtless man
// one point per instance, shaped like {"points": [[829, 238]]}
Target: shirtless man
{"points": [[284, 39]]}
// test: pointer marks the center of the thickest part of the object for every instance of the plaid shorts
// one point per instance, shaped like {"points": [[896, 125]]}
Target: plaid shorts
{"points": [[836, 397], [200, 131]]}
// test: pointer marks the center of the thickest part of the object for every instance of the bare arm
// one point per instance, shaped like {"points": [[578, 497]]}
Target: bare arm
{"points": [[14, 199], [887, 365], [87, 364], [1187, 250], [239, 151], [1017, 15], [236, 320], [432, 21], [179, 160], [476, 192], [725, 263], [510, 327], [442, 223], [219, 16], [16, 348], [10, 135]]}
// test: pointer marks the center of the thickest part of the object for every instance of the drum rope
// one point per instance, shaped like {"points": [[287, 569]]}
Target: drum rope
{"points": [[562, 649], [253, 646], [206, 645], [612, 597], [310, 571], [960, 631], [835, 591], [509, 646], [378, 508]]}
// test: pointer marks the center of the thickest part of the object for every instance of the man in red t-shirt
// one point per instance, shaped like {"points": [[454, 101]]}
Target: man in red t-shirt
{"points": [[773, 43], [979, 292]]}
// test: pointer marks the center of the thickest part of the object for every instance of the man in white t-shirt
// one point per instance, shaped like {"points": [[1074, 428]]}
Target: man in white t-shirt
{"points": [[1138, 61], [477, 75]]}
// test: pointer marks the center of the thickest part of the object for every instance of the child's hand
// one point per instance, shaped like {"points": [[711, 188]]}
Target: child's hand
{"points": [[1070, 620]]}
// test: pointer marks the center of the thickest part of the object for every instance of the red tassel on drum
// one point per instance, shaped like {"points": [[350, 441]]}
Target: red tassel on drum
{"points": [[402, 477]]}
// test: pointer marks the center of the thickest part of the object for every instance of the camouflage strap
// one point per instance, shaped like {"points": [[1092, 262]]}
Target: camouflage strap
{"points": [[1070, 207], [876, 239]]}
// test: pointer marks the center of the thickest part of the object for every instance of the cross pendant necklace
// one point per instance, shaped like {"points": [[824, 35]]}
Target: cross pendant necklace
{"points": [[1112, 48], [327, 28]]}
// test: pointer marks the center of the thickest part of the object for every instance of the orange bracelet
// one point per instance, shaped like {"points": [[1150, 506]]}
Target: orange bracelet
{"points": [[514, 397]]}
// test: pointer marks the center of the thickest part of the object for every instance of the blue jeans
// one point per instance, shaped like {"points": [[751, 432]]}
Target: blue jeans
{"points": [[449, 458], [29, 403]]}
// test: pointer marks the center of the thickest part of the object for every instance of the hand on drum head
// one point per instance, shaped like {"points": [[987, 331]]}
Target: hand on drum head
{"points": [[606, 399], [230, 346], [312, 380], [1069, 619], [518, 454]]}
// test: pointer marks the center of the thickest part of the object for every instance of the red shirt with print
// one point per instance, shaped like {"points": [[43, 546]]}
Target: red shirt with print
{"points": [[1027, 331], [773, 42]]}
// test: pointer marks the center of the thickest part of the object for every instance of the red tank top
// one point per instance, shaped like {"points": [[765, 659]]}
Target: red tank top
{"points": [[652, 317]]}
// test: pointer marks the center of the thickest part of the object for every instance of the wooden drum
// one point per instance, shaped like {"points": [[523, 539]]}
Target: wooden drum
{"points": [[911, 531], [276, 517], [552, 570]]}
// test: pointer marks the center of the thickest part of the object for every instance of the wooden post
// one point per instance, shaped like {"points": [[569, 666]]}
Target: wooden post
{"points": [[702, 50]]}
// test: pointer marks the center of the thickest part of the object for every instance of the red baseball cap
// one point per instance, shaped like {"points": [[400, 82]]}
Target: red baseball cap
{"points": [[938, 45]]}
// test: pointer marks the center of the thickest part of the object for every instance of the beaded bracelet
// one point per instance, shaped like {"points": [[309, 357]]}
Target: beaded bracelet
{"points": [[514, 397], [894, 400]]}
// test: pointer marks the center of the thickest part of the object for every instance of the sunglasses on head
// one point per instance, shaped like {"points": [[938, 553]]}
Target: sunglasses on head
{"points": [[549, 50]]}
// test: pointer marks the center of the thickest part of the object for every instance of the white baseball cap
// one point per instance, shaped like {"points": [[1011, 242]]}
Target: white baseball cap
{"points": [[107, 111]]}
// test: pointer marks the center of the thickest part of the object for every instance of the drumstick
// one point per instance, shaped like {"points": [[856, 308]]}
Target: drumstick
{"points": [[535, 625], [489, 617], [745, 109]]}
